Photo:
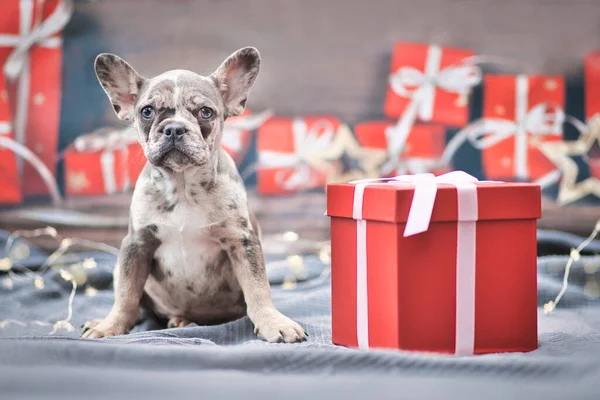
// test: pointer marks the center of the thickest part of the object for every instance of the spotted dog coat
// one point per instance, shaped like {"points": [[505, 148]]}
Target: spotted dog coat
{"points": [[193, 251]]}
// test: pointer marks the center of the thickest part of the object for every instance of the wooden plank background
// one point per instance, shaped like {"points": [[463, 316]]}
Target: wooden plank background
{"points": [[319, 57]]}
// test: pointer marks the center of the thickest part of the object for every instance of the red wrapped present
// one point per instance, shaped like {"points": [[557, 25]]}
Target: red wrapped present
{"points": [[237, 132], [30, 51], [431, 82], [437, 264], [10, 185], [517, 108], [284, 153], [419, 153], [98, 163], [591, 66]]}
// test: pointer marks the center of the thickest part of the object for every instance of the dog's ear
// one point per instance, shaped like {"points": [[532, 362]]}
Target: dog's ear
{"points": [[121, 83], [235, 78]]}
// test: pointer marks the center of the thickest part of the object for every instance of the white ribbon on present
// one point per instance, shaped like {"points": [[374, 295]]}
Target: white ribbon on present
{"points": [[234, 127], [306, 141], [420, 88], [17, 64], [419, 218], [23, 152], [108, 140], [542, 120]]}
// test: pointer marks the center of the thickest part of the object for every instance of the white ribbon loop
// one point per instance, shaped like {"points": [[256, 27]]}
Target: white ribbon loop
{"points": [[306, 141], [36, 163]]}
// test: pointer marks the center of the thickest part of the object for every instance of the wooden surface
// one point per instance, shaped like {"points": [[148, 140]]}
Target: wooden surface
{"points": [[302, 213]]}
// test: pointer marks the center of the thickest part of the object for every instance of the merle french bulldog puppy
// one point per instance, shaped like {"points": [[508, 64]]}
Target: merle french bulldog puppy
{"points": [[193, 251]]}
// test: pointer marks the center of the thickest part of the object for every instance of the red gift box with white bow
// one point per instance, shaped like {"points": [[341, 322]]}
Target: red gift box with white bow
{"points": [[434, 263], [285, 147], [31, 56], [431, 82], [100, 162], [518, 108]]}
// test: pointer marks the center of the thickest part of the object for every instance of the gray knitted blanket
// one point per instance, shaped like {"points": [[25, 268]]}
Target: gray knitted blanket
{"points": [[229, 361]]}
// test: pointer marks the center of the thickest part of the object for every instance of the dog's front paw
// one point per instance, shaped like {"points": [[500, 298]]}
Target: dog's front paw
{"points": [[274, 327], [98, 328]]}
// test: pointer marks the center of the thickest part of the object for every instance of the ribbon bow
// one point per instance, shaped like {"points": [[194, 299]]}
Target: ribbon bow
{"points": [[424, 196], [541, 120], [233, 128], [306, 141], [409, 81], [41, 35]]}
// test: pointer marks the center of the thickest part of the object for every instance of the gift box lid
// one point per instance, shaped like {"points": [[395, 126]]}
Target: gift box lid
{"points": [[392, 202]]}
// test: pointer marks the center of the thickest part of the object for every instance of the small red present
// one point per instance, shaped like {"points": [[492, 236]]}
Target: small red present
{"points": [[237, 133], [419, 152], [31, 54], [99, 162], [432, 82], [436, 264], [284, 153], [517, 108], [591, 65], [10, 185]]}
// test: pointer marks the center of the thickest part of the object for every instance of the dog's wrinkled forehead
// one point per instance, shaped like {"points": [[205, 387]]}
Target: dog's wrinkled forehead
{"points": [[180, 88]]}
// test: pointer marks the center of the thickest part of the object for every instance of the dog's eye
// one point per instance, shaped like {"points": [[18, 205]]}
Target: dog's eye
{"points": [[206, 112], [147, 112]]}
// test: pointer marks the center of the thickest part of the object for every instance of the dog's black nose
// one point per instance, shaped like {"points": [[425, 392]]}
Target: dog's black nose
{"points": [[175, 130]]}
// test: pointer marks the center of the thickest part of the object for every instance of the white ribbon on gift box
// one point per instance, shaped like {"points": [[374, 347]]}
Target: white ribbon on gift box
{"points": [[108, 140], [419, 218], [455, 79], [233, 128], [17, 64], [542, 120], [316, 139]]}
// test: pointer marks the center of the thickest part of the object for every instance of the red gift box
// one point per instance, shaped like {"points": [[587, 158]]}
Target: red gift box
{"points": [[284, 152], [97, 172], [591, 65], [30, 50], [444, 264], [10, 192], [519, 107], [419, 153], [438, 78]]}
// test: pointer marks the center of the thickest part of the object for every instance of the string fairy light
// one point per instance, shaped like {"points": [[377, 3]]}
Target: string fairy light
{"points": [[75, 275], [574, 255]]}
